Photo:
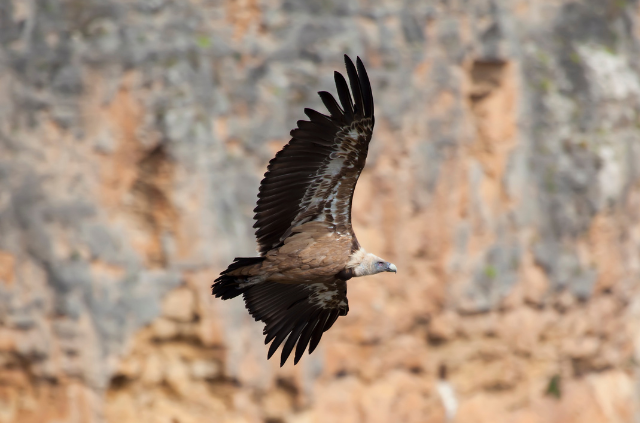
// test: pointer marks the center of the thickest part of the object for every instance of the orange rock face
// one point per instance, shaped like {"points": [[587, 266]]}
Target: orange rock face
{"points": [[503, 180]]}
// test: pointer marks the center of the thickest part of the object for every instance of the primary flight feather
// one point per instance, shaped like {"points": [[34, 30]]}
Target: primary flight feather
{"points": [[308, 250]]}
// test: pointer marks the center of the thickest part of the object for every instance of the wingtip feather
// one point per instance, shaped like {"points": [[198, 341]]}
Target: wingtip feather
{"points": [[367, 94], [356, 87], [344, 95]]}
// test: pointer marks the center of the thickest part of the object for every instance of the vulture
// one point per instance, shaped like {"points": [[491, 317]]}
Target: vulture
{"points": [[307, 248]]}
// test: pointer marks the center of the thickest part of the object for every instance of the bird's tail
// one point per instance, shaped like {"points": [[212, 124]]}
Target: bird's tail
{"points": [[227, 286]]}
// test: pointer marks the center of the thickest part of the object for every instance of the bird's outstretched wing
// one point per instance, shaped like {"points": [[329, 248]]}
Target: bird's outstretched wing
{"points": [[299, 313], [314, 176]]}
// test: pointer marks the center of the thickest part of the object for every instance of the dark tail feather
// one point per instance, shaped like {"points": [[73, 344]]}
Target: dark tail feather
{"points": [[226, 286]]}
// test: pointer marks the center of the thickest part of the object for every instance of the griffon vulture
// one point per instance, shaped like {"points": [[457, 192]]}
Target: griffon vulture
{"points": [[308, 250]]}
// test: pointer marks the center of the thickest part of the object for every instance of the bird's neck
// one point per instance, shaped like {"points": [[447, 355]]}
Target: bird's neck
{"points": [[362, 263]]}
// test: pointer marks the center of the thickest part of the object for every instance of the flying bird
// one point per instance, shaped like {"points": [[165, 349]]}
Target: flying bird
{"points": [[308, 250]]}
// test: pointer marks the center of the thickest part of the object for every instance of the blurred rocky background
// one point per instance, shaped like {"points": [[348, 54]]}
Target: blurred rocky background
{"points": [[503, 180]]}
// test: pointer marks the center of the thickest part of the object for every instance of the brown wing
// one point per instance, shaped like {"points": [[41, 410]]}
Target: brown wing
{"points": [[300, 313], [314, 176]]}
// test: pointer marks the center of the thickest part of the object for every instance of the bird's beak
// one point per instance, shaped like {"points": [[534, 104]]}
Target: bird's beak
{"points": [[392, 268]]}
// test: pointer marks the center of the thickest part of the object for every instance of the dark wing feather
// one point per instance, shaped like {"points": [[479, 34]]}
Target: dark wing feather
{"points": [[365, 87], [332, 106], [315, 174], [344, 95], [354, 82], [299, 313]]}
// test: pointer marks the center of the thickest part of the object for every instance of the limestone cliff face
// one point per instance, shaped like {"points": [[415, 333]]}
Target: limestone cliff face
{"points": [[503, 180]]}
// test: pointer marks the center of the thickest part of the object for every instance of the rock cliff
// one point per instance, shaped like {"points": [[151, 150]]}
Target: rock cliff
{"points": [[503, 180]]}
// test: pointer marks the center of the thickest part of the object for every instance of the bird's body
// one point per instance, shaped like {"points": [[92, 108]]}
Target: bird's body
{"points": [[308, 249]]}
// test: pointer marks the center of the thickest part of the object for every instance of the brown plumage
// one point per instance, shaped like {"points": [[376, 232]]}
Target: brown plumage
{"points": [[307, 246]]}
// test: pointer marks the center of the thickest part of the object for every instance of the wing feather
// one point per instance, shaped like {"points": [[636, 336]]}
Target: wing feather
{"points": [[277, 191], [312, 133], [318, 331], [354, 83], [314, 176], [324, 132], [332, 106], [291, 341], [297, 313], [367, 94], [293, 176], [305, 336], [344, 95], [318, 117], [331, 319], [273, 204], [280, 336]]}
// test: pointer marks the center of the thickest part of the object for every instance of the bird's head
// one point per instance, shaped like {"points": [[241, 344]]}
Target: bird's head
{"points": [[372, 264]]}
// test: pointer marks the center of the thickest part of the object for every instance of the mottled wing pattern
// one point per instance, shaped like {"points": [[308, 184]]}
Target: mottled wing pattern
{"points": [[314, 176], [299, 313]]}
